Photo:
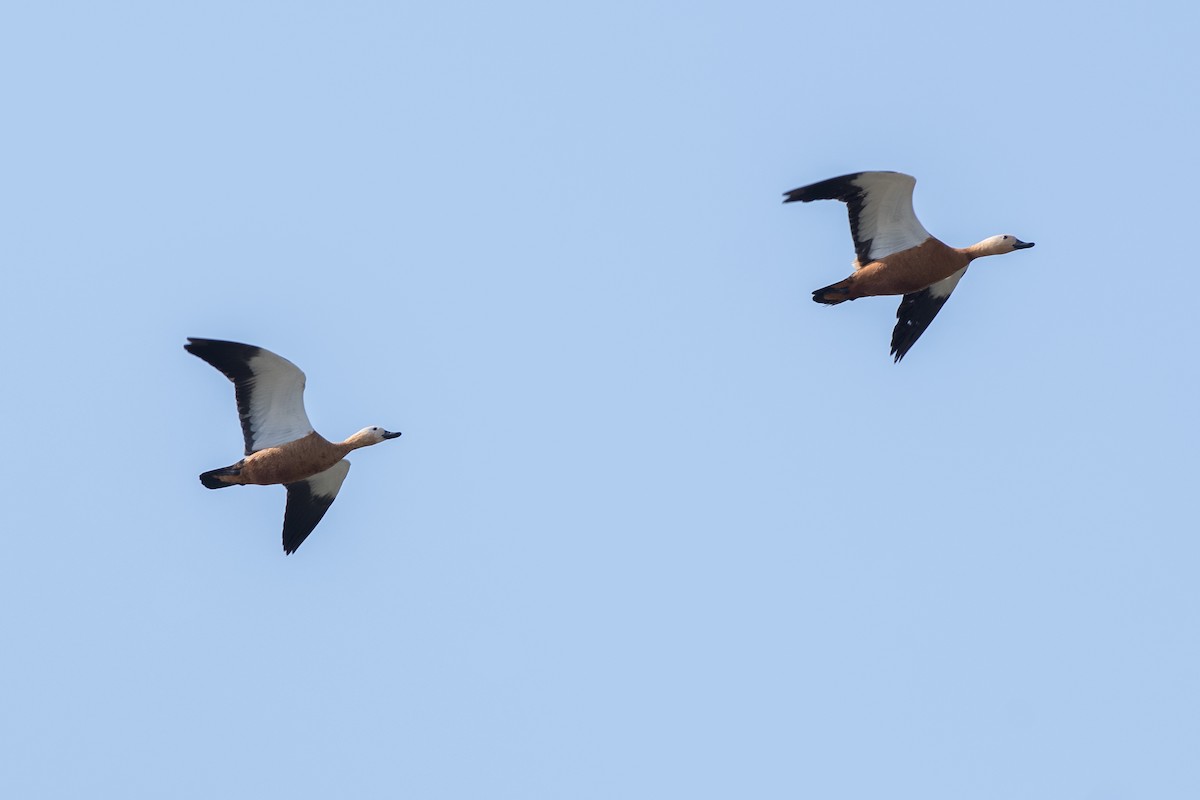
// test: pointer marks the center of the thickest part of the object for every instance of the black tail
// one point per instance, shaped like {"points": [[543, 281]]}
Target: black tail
{"points": [[834, 293], [212, 478]]}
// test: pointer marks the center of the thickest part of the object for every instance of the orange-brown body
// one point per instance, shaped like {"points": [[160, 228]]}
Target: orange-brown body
{"points": [[290, 462], [908, 271]]}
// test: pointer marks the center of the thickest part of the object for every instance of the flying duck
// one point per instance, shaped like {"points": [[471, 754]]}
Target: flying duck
{"points": [[896, 255], [281, 445]]}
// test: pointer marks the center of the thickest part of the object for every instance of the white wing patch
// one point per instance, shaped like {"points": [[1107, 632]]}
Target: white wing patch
{"points": [[945, 286], [327, 484], [277, 413], [887, 217]]}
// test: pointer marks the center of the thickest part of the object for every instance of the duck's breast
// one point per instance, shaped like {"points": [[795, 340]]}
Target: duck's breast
{"points": [[911, 270], [291, 462]]}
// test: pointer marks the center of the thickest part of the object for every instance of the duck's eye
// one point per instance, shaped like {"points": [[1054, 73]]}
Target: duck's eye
{"points": [[1006, 238]]}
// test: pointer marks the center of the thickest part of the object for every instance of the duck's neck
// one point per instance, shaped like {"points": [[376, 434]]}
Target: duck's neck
{"points": [[977, 250], [354, 442]]}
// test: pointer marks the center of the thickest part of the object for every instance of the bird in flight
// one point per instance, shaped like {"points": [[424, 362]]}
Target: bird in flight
{"points": [[281, 445], [895, 254]]}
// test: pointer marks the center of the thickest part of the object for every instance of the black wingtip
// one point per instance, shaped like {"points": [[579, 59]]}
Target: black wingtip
{"points": [[844, 189], [302, 514], [840, 188], [904, 336], [231, 358], [902, 342], [913, 317]]}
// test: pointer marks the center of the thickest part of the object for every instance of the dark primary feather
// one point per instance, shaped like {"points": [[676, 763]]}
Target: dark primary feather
{"points": [[304, 511], [916, 311], [839, 188], [233, 360]]}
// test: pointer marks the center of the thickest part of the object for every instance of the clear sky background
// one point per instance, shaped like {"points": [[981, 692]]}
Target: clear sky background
{"points": [[659, 525]]}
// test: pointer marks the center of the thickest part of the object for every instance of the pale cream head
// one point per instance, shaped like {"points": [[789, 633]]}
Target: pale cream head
{"points": [[999, 245], [370, 436]]}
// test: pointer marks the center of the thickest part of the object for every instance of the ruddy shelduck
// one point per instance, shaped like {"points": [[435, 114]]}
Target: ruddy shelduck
{"points": [[281, 445], [895, 254]]}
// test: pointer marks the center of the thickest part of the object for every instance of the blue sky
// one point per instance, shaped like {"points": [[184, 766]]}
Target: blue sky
{"points": [[658, 526]]}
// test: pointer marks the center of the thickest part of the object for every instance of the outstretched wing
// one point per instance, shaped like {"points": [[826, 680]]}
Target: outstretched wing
{"points": [[917, 310], [882, 220], [269, 389], [307, 502]]}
